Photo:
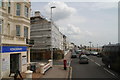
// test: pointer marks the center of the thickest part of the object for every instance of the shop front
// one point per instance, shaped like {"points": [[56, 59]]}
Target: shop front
{"points": [[13, 58]]}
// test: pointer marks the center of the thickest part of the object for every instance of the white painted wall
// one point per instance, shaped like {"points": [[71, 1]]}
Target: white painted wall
{"points": [[6, 63], [57, 38]]}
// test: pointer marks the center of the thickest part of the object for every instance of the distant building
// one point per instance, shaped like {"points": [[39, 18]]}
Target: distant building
{"points": [[14, 31], [71, 45], [45, 36], [65, 43]]}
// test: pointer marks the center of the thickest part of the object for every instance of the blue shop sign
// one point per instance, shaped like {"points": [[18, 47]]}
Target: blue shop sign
{"points": [[6, 49]]}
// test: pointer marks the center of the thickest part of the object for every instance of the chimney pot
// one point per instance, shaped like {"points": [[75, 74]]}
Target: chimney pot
{"points": [[37, 13]]}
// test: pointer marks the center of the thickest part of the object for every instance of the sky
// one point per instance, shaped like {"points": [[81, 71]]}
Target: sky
{"points": [[83, 22]]}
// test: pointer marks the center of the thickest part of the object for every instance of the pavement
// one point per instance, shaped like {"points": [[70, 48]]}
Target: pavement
{"points": [[58, 70]]}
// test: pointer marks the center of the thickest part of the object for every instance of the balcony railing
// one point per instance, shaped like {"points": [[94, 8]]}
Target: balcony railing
{"points": [[30, 41]]}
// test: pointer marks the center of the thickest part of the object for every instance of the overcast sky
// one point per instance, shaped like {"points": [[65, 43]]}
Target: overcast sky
{"points": [[82, 22]]}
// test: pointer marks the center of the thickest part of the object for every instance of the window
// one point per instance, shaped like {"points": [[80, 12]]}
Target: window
{"points": [[9, 5], [8, 29], [26, 11], [0, 3], [0, 26], [17, 30], [26, 32], [18, 6]]}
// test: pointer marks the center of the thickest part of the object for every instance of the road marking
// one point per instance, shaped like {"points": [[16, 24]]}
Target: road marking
{"points": [[70, 73], [91, 59], [104, 68], [94, 62], [97, 64], [109, 71]]}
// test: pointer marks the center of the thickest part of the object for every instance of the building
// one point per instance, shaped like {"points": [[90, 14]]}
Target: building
{"points": [[71, 46], [65, 46], [14, 33], [46, 36]]}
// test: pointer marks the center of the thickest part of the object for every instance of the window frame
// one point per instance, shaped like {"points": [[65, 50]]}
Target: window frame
{"points": [[1, 26], [9, 6], [26, 31], [19, 33], [8, 29], [18, 9], [26, 11]]}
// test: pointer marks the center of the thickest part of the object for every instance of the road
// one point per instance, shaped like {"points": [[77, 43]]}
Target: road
{"points": [[94, 69]]}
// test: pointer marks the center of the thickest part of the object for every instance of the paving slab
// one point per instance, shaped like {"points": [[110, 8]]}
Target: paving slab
{"points": [[56, 72]]}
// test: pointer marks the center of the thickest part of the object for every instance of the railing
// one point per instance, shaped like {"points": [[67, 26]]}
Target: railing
{"points": [[30, 41], [45, 67]]}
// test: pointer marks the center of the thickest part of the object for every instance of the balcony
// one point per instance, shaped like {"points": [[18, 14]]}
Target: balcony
{"points": [[30, 42], [7, 39]]}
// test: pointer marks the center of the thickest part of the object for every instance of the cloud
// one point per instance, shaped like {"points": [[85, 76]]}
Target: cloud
{"points": [[99, 5], [89, 33], [73, 30], [84, 22], [105, 5], [61, 11]]}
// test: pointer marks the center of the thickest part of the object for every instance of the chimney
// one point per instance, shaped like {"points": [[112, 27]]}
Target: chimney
{"points": [[37, 13]]}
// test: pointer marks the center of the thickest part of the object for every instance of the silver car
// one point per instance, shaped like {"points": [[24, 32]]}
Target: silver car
{"points": [[83, 59], [73, 55]]}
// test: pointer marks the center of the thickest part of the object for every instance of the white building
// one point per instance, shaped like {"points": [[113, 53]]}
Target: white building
{"points": [[14, 30], [57, 38]]}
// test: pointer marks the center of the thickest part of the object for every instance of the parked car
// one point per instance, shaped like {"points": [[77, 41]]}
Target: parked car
{"points": [[99, 54], [87, 53], [83, 59], [78, 51], [73, 55], [94, 53]]}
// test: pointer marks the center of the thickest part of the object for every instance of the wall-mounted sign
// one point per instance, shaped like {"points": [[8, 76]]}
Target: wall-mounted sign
{"points": [[24, 60], [6, 49]]}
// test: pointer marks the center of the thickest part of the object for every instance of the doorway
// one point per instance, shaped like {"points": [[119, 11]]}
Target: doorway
{"points": [[14, 62]]}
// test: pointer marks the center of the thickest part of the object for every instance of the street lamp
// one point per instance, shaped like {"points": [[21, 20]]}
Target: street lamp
{"points": [[90, 45], [51, 35]]}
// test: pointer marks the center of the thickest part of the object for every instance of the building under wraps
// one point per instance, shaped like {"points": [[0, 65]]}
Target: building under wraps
{"points": [[46, 36]]}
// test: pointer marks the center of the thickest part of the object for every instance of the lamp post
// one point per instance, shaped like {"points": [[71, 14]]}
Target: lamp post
{"points": [[51, 35], [90, 45]]}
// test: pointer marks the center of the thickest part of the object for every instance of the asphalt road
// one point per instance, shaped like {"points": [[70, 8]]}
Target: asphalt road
{"points": [[95, 69]]}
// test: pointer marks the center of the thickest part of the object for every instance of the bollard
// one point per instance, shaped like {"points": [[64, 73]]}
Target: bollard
{"points": [[50, 61], [29, 74], [42, 68], [65, 64]]}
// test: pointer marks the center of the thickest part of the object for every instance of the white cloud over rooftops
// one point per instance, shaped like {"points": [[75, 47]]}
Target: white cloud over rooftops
{"points": [[61, 11], [84, 22]]}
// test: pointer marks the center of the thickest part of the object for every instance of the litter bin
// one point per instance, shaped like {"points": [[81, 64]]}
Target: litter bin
{"points": [[33, 67], [29, 74]]}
